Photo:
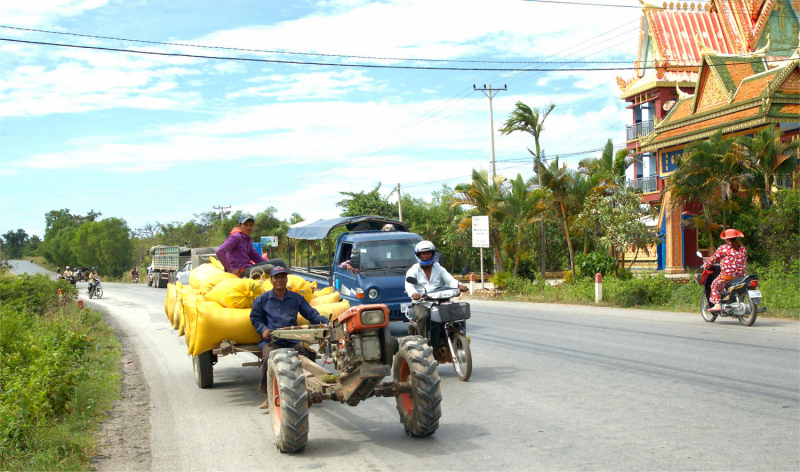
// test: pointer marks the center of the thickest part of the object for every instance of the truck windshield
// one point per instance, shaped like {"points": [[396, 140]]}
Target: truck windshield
{"points": [[392, 254]]}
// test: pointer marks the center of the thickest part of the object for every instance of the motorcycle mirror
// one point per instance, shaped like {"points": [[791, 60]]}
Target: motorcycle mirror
{"points": [[465, 270], [411, 280], [698, 254]]}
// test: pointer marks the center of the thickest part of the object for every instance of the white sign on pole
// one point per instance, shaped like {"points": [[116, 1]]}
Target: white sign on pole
{"points": [[269, 241], [480, 231]]}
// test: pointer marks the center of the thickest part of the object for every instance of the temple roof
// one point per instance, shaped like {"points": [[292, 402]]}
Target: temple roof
{"points": [[725, 98], [676, 34]]}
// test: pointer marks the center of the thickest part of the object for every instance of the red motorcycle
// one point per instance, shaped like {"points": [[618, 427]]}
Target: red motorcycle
{"points": [[738, 297]]}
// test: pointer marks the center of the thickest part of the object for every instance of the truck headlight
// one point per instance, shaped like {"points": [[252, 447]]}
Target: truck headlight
{"points": [[372, 317], [373, 293]]}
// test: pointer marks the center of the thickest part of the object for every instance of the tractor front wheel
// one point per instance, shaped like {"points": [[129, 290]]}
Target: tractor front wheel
{"points": [[288, 400], [420, 409]]}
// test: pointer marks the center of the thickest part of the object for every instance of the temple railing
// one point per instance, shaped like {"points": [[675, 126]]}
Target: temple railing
{"points": [[644, 184], [639, 129]]}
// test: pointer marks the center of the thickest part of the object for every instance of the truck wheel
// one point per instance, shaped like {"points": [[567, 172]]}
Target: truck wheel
{"points": [[203, 369], [420, 409], [288, 400]]}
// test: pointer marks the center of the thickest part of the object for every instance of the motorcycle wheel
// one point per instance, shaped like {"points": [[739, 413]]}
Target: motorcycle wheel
{"points": [[751, 310], [462, 357], [98, 292], [704, 306], [90, 294]]}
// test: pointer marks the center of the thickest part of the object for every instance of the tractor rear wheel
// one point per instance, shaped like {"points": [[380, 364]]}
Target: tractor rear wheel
{"points": [[204, 369], [420, 409], [288, 400]]}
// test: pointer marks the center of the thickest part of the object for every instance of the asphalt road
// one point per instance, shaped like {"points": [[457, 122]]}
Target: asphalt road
{"points": [[26, 267], [553, 387]]}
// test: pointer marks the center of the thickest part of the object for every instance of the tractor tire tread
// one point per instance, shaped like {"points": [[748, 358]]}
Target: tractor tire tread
{"points": [[291, 429], [426, 387]]}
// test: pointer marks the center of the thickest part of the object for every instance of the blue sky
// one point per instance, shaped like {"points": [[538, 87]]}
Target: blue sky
{"points": [[154, 138]]}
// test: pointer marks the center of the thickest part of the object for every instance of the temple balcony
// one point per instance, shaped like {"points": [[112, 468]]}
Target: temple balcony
{"points": [[640, 129], [644, 184]]}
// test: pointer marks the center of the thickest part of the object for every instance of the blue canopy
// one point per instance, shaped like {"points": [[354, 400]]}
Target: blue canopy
{"points": [[322, 228]]}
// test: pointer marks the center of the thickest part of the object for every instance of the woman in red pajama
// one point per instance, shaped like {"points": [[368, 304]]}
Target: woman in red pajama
{"points": [[732, 259]]}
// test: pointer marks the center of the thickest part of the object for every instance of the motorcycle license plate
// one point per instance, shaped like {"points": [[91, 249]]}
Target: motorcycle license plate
{"points": [[404, 307], [754, 293]]}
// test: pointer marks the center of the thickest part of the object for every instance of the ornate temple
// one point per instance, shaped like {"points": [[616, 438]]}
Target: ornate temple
{"points": [[730, 64]]}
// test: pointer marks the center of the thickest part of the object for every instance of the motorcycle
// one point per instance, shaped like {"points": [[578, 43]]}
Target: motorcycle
{"points": [[453, 342], [739, 297], [95, 290], [71, 279], [135, 279]]}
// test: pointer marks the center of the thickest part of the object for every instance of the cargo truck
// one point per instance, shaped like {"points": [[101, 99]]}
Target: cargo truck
{"points": [[168, 260], [377, 260]]}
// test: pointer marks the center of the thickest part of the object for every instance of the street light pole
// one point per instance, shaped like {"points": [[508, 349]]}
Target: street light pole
{"points": [[489, 92]]}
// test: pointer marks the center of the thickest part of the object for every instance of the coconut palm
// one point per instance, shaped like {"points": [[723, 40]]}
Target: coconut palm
{"points": [[560, 181], [769, 156], [530, 120], [522, 205], [486, 195]]}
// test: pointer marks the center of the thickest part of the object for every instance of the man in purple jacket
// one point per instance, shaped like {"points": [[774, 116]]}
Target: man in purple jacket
{"points": [[238, 255]]}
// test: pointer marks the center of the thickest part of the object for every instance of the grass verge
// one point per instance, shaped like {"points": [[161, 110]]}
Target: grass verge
{"points": [[778, 287], [59, 375]]}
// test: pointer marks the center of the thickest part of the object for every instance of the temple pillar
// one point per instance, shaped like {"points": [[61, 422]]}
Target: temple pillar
{"points": [[674, 237]]}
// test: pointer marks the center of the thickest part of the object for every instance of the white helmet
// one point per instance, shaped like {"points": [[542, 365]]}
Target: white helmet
{"points": [[425, 246], [67, 267]]}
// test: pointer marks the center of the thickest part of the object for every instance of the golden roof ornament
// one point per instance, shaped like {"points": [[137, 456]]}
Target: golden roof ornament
{"points": [[648, 7], [681, 94], [701, 46]]}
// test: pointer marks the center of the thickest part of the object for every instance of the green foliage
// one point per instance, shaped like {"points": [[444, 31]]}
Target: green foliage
{"points": [[500, 279], [594, 262], [14, 243], [780, 229], [367, 203], [779, 284], [59, 375]]}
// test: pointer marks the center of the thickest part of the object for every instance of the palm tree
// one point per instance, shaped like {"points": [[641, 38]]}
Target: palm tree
{"points": [[560, 181], [530, 120], [769, 156], [603, 166], [522, 206], [486, 195]]}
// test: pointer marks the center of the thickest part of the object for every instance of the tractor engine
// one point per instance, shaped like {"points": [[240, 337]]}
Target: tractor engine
{"points": [[361, 335]]}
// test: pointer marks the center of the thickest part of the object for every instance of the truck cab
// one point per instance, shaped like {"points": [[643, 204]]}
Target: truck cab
{"points": [[368, 265]]}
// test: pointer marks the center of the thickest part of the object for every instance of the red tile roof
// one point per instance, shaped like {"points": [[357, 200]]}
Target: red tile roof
{"points": [[674, 32]]}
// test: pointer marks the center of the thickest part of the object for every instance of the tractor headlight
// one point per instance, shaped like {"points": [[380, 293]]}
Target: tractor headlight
{"points": [[373, 293], [372, 317]]}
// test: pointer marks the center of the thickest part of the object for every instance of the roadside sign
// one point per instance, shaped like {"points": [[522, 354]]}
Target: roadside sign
{"points": [[269, 241], [480, 231], [257, 246]]}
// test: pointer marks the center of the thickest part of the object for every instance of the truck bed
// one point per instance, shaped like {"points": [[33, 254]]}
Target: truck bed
{"points": [[320, 274]]}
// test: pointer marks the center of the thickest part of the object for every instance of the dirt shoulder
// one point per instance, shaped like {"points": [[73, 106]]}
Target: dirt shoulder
{"points": [[124, 437]]}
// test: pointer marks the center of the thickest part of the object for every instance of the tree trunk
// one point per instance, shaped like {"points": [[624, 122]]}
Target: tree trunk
{"points": [[585, 242], [635, 256], [569, 241], [517, 251], [767, 190]]}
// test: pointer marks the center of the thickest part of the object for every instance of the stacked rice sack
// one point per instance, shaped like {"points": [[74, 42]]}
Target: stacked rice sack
{"points": [[216, 305]]}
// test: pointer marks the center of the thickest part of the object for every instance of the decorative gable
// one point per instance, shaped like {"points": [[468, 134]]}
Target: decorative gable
{"points": [[712, 94], [792, 83]]}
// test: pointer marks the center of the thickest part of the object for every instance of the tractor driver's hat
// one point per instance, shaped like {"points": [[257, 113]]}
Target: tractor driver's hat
{"points": [[277, 270], [246, 216]]}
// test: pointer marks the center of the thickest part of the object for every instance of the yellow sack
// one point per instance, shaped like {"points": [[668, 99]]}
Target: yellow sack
{"points": [[169, 302], [299, 285], [325, 299], [332, 310], [190, 315], [211, 281], [216, 263], [323, 292], [200, 274], [180, 313], [216, 324], [267, 285], [313, 286], [301, 321], [235, 293], [188, 300], [181, 325]]}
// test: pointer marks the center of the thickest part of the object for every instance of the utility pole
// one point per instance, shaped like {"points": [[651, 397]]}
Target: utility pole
{"points": [[541, 231], [399, 203], [222, 211], [489, 92]]}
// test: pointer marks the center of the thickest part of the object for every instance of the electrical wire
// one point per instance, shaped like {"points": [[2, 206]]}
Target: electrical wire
{"points": [[367, 66]]}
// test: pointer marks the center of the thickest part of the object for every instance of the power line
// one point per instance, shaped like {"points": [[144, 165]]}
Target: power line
{"points": [[584, 3], [366, 66]]}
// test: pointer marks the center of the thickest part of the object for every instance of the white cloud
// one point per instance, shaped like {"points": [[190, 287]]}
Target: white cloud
{"points": [[38, 12], [312, 85]]}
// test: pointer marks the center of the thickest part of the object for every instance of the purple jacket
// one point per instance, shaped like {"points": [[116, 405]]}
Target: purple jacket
{"points": [[237, 251]]}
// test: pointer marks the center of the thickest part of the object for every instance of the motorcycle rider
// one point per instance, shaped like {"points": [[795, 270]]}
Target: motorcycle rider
{"points": [[732, 259], [134, 273], [93, 278], [68, 272], [430, 275], [237, 254]]}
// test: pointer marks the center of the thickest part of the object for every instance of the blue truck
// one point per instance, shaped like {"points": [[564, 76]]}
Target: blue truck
{"points": [[369, 262]]}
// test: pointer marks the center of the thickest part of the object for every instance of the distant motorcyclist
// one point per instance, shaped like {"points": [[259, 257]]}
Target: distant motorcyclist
{"points": [[134, 273], [732, 259], [430, 276], [68, 272], [237, 254], [58, 270]]}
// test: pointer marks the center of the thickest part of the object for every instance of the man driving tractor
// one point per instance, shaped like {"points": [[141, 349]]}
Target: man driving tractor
{"points": [[276, 309], [237, 254]]}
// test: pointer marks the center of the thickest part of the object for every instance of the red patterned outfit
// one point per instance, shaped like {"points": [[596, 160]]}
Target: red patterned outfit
{"points": [[733, 263]]}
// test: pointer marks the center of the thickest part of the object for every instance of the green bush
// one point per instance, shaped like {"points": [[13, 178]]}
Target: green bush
{"points": [[500, 279], [59, 375], [594, 262], [520, 285]]}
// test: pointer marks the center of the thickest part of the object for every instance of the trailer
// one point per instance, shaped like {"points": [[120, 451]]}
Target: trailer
{"points": [[168, 260]]}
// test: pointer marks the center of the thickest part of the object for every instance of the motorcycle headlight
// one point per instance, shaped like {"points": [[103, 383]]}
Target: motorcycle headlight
{"points": [[373, 293], [372, 317]]}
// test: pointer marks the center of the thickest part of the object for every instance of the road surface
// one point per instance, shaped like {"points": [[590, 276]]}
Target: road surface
{"points": [[553, 387]]}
